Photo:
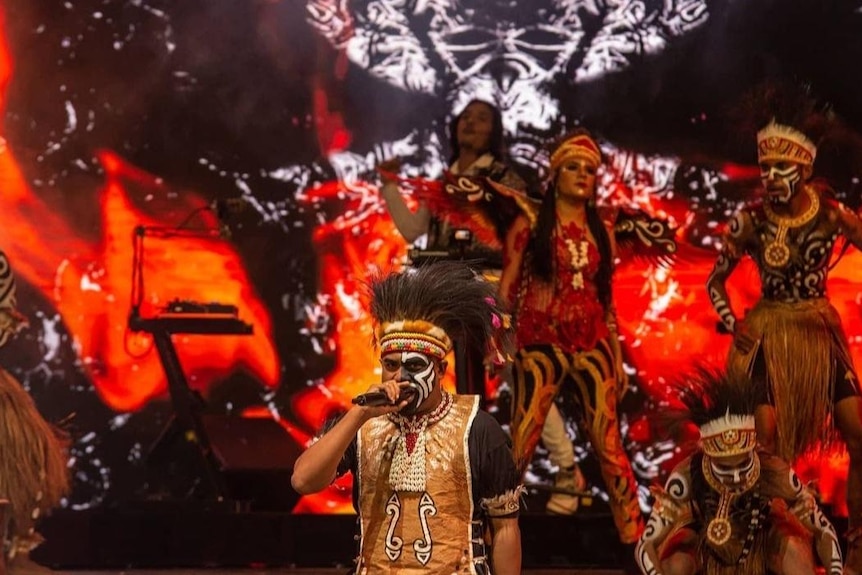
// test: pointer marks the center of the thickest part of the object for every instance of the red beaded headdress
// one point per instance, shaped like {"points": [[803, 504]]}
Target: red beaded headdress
{"points": [[579, 146], [728, 435]]}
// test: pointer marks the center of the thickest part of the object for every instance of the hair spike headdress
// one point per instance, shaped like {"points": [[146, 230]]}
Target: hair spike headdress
{"points": [[427, 308], [721, 405], [786, 118]]}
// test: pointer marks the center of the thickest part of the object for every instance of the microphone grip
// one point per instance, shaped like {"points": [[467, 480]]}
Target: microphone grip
{"points": [[372, 399], [379, 398]]}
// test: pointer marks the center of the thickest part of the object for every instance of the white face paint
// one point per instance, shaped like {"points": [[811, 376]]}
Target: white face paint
{"points": [[415, 367], [781, 180], [732, 473]]}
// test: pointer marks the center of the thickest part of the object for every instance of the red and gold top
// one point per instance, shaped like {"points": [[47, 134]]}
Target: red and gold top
{"points": [[569, 313]]}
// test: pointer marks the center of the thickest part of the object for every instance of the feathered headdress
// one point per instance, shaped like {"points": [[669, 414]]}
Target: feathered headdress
{"points": [[786, 118], [813, 124], [721, 404], [780, 143], [428, 308]]}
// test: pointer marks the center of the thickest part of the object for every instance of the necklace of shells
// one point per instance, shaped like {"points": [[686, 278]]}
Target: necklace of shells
{"points": [[407, 472], [578, 256]]}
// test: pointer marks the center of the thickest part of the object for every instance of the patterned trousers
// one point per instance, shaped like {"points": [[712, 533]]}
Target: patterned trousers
{"points": [[541, 372]]}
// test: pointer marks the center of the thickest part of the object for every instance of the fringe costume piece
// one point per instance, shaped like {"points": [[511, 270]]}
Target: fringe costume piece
{"points": [[34, 475], [540, 372], [804, 352]]}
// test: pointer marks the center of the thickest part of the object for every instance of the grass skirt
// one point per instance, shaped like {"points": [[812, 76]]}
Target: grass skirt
{"points": [[805, 352], [34, 474]]}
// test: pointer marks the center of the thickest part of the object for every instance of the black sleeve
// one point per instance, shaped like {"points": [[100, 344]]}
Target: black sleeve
{"points": [[348, 460], [495, 478]]}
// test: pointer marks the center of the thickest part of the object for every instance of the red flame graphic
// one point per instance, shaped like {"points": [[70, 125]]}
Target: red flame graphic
{"points": [[665, 318], [89, 282]]}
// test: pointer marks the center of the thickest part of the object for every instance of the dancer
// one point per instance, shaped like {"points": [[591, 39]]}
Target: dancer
{"points": [[476, 139], [731, 508], [792, 341], [33, 470], [557, 281], [431, 471]]}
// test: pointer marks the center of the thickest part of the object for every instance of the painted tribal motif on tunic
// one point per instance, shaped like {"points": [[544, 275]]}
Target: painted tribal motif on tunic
{"points": [[428, 529]]}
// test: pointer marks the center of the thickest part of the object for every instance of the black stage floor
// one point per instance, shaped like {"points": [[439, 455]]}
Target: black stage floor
{"points": [[164, 536], [191, 538]]}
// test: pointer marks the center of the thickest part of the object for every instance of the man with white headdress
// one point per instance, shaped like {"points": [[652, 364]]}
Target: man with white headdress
{"points": [[732, 508], [431, 470], [792, 342]]}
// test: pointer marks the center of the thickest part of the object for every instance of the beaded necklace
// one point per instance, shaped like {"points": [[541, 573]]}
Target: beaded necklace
{"points": [[407, 472]]}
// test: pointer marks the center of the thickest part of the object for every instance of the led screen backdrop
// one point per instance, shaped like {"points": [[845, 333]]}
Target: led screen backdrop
{"points": [[125, 113]]}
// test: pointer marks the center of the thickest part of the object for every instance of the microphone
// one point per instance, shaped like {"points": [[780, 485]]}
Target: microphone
{"points": [[380, 399]]}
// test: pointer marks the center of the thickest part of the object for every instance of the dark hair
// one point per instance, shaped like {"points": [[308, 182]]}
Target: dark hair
{"points": [[785, 101], [541, 245], [496, 146], [448, 294], [700, 394]]}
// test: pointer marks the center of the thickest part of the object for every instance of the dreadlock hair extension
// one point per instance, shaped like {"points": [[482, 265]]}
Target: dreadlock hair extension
{"points": [[449, 295]]}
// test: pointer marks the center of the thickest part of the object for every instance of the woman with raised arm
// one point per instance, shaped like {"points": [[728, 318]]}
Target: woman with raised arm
{"points": [[557, 281]]}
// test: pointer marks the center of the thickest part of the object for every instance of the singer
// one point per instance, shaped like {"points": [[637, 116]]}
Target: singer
{"points": [[431, 470], [379, 398]]}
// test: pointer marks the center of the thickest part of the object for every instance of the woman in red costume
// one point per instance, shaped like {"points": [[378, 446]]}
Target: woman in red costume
{"points": [[557, 282]]}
